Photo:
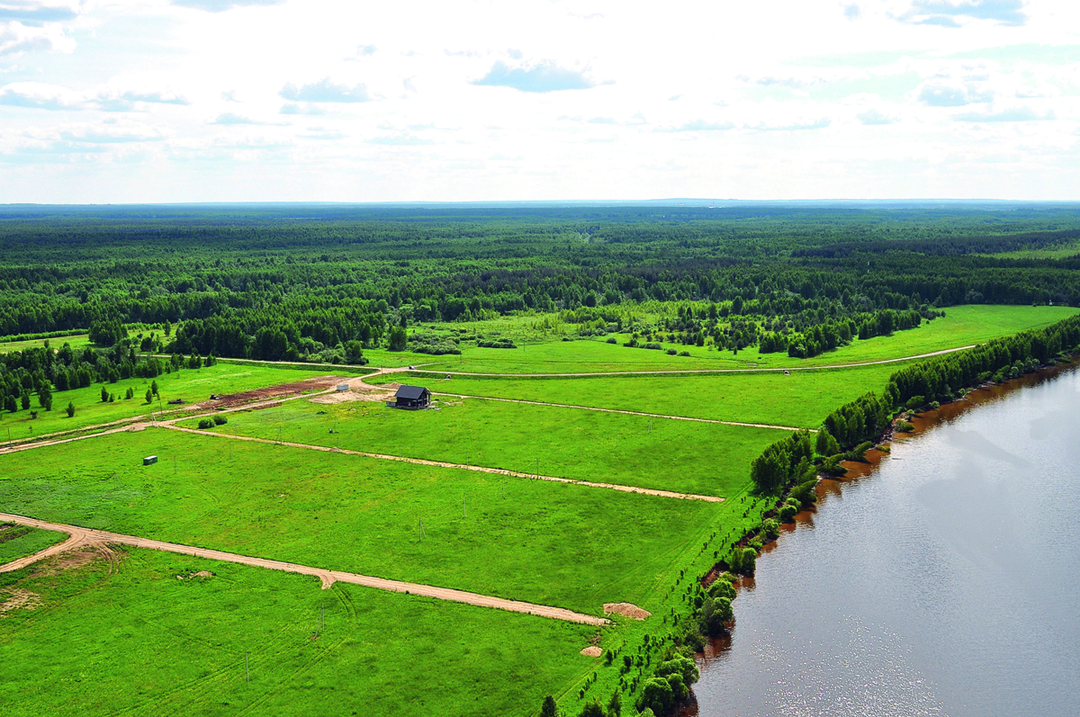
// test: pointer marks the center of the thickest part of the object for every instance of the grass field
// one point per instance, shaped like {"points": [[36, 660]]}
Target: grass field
{"points": [[682, 456], [550, 543], [802, 399], [144, 642], [77, 341], [962, 326], [18, 542], [188, 384]]}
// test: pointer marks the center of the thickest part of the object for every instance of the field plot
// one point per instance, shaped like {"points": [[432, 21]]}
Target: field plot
{"points": [[962, 326], [802, 399], [77, 341], [541, 542], [18, 542], [191, 385], [681, 456], [183, 635]]}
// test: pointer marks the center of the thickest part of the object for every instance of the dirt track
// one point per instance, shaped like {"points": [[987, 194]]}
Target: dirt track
{"points": [[88, 536], [628, 413], [663, 372], [461, 466]]}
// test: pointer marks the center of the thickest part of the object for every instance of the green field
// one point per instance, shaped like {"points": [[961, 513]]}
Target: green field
{"points": [[543, 542], [189, 384], [18, 542], [77, 341], [961, 326], [142, 641], [801, 400], [685, 456]]}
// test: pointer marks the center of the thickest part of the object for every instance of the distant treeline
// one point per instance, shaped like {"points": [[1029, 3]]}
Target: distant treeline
{"points": [[295, 282]]}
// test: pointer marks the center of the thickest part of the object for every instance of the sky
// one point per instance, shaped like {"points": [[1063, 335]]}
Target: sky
{"points": [[131, 101]]}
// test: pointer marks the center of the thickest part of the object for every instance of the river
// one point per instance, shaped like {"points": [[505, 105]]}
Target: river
{"points": [[945, 580]]}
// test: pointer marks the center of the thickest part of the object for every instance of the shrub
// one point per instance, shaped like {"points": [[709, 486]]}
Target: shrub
{"points": [[915, 402], [612, 340], [593, 709], [684, 353], [722, 588], [903, 426], [220, 420], [206, 423], [672, 352], [654, 346], [70, 409], [787, 513], [771, 528]]}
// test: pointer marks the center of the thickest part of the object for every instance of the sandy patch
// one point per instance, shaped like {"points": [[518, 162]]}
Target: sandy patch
{"points": [[203, 574], [20, 599], [625, 609], [358, 391], [592, 651]]}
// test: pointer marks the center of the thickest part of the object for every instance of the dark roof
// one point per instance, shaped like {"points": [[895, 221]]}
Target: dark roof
{"points": [[411, 392]]}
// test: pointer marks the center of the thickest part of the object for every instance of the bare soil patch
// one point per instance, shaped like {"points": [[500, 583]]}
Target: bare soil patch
{"points": [[626, 609], [71, 560], [229, 400], [201, 575], [358, 391], [592, 651], [20, 600]]}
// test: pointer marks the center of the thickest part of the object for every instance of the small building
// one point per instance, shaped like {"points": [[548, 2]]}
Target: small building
{"points": [[149, 460], [342, 387], [411, 397]]}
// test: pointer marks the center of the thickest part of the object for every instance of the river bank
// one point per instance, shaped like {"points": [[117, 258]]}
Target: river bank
{"points": [[815, 628]]}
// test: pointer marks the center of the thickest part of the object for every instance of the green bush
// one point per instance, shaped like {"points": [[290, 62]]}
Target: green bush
{"points": [[220, 420], [722, 588], [903, 426], [787, 513], [771, 528], [205, 423]]}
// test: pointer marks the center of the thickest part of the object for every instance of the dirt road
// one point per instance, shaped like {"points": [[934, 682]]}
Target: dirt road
{"points": [[461, 466], [628, 413], [88, 536]]}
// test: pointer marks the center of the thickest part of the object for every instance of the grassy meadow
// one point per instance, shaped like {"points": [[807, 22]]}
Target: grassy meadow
{"points": [[801, 400], [544, 542], [961, 326], [155, 639], [17, 542], [189, 384], [707, 459]]}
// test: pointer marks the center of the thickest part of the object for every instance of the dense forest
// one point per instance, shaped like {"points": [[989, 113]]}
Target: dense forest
{"points": [[296, 282]]}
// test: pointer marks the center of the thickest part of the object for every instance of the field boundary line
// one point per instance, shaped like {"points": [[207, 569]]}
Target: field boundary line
{"points": [[89, 536], [665, 372], [460, 466], [626, 412]]}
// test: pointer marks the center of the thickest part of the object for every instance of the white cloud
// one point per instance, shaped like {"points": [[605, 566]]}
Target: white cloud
{"points": [[384, 101]]}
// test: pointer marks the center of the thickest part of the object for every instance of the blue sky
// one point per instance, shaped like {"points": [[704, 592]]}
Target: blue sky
{"points": [[315, 100]]}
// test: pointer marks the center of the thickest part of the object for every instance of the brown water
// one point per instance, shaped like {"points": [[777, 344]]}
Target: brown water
{"points": [[944, 580]]}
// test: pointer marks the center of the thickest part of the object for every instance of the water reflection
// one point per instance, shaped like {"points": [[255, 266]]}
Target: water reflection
{"points": [[943, 578]]}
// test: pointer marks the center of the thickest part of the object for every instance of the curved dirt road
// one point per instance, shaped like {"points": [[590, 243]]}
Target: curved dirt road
{"points": [[88, 536]]}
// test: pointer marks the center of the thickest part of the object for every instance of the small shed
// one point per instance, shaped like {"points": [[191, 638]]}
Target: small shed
{"points": [[342, 387], [149, 460], [411, 397]]}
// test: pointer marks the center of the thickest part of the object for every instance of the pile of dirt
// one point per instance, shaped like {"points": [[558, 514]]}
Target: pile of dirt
{"points": [[20, 599], [625, 609], [202, 574], [592, 651]]}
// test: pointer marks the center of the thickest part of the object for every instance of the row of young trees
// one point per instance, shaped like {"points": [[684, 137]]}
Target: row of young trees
{"points": [[937, 379]]}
